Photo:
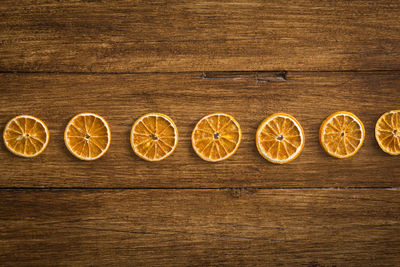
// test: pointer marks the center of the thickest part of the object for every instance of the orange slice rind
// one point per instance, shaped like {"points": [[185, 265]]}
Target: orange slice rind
{"points": [[387, 132], [26, 136], [216, 137], [87, 136], [342, 134], [280, 138], [154, 137]]}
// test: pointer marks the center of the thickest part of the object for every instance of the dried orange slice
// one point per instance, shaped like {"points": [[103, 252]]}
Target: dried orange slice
{"points": [[26, 136], [387, 132], [154, 136], [342, 134], [216, 137], [87, 136], [280, 138]]}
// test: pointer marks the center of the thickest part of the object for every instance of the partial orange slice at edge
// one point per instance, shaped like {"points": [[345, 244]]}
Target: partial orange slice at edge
{"points": [[387, 132], [342, 134], [26, 136], [280, 138], [154, 137], [216, 137], [87, 136]]}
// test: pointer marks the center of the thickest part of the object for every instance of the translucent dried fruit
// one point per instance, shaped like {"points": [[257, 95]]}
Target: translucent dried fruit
{"points": [[26, 136], [342, 134], [154, 137], [87, 136], [280, 138], [216, 137], [387, 132]]}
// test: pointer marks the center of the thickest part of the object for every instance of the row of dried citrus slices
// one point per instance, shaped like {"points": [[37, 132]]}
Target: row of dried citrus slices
{"points": [[154, 136]]}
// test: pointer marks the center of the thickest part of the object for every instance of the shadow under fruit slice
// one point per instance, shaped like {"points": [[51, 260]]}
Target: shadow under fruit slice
{"points": [[342, 134], [280, 138], [387, 132], [26, 136], [154, 137], [87, 136], [216, 137]]}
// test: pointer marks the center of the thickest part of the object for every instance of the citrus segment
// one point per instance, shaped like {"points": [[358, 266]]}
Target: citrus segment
{"points": [[154, 137], [87, 136], [280, 138], [26, 136], [216, 137], [387, 132], [342, 134]]}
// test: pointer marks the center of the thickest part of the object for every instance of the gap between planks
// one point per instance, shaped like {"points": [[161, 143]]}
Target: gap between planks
{"points": [[190, 188], [205, 73]]}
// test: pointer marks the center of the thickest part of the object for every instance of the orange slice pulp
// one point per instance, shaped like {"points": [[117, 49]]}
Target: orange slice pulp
{"points": [[154, 137], [87, 136], [387, 132], [342, 134], [216, 137], [280, 138], [26, 136]]}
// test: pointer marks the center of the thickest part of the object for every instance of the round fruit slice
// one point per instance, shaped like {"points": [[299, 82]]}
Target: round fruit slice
{"points": [[87, 136], [387, 132], [154, 137], [26, 136], [342, 134], [280, 138], [216, 137]]}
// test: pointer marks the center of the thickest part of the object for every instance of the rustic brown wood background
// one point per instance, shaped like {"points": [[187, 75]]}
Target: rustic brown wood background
{"points": [[251, 58]]}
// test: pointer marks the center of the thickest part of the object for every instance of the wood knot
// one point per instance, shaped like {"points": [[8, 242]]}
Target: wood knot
{"points": [[238, 192], [235, 192]]}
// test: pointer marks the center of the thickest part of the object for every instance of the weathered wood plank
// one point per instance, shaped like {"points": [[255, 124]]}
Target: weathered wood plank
{"points": [[149, 36], [200, 227], [121, 99]]}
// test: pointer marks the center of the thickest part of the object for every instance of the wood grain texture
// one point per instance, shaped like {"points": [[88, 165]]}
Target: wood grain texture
{"points": [[200, 227], [186, 97], [154, 36], [186, 59]]}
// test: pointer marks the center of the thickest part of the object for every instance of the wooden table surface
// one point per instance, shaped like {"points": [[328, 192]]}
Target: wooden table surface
{"points": [[122, 59]]}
